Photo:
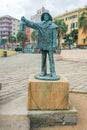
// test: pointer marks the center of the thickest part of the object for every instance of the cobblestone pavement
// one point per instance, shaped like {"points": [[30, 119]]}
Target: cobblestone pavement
{"points": [[15, 72]]}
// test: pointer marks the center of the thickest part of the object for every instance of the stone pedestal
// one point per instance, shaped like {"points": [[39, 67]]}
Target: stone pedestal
{"points": [[48, 103], [48, 95]]}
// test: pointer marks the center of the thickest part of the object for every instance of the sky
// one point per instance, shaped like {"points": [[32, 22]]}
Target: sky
{"points": [[27, 8]]}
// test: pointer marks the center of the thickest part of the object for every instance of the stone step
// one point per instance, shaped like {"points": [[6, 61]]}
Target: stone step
{"points": [[53, 118]]}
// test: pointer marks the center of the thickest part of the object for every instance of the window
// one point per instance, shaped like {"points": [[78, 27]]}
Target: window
{"points": [[72, 25], [66, 19], [76, 24]]}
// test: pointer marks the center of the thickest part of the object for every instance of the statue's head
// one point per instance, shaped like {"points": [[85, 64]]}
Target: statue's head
{"points": [[46, 16]]}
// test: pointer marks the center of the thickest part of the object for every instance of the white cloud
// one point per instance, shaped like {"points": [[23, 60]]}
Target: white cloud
{"points": [[27, 8]]}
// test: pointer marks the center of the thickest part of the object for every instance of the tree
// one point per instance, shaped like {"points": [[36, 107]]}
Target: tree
{"points": [[22, 37], [3, 41], [68, 40], [74, 35], [82, 22], [71, 38], [34, 35], [61, 31], [11, 39]]}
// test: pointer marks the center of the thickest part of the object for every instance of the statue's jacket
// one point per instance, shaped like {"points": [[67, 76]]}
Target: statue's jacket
{"points": [[46, 38]]}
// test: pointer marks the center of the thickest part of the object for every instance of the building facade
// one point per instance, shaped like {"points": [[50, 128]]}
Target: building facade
{"points": [[15, 26], [82, 37], [71, 19], [37, 16], [8, 26], [27, 31]]}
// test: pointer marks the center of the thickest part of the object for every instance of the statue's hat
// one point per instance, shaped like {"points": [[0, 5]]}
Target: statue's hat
{"points": [[42, 16]]}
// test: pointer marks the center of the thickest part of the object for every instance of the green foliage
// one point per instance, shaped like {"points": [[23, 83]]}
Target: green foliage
{"points": [[3, 40], [34, 35], [83, 21], [62, 27], [12, 39], [61, 31], [72, 37], [21, 36], [66, 37]]}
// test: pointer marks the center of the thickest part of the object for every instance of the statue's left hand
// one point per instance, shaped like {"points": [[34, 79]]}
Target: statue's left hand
{"points": [[23, 18]]}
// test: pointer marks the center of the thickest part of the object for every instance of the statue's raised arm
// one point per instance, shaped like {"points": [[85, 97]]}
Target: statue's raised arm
{"points": [[30, 23]]}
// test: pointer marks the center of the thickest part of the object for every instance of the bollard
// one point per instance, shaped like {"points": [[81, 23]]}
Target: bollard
{"points": [[5, 54]]}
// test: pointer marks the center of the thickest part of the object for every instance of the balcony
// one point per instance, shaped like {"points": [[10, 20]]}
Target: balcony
{"points": [[6, 25], [6, 29], [5, 20]]}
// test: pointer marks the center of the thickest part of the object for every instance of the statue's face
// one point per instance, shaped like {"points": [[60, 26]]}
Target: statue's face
{"points": [[46, 17]]}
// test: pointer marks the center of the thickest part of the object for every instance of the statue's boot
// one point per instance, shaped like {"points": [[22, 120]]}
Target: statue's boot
{"points": [[43, 74], [53, 75]]}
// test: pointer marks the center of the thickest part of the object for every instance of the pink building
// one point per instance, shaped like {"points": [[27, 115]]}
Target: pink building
{"points": [[5, 26], [8, 26]]}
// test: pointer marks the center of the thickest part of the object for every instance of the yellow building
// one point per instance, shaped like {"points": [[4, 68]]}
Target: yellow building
{"points": [[82, 37], [71, 19]]}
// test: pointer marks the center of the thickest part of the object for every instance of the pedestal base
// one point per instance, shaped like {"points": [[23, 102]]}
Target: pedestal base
{"points": [[48, 95], [47, 77], [48, 103], [52, 118]]}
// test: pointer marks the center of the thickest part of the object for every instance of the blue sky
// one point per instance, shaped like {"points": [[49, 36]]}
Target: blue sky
{"points": [[27, 8]]}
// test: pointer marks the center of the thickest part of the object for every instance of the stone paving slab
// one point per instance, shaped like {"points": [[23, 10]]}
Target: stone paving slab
{"points": [[14, 122], [74, 55], [13, 115]]}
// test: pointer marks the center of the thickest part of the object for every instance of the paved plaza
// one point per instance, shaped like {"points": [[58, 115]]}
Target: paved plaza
{"points": [[15, 72]]}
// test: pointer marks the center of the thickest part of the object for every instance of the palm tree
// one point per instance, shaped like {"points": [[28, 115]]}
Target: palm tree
{"points": [[22, 37], [74, 35], [82, 22], [12, 39], [62, 29], [34, 35]]}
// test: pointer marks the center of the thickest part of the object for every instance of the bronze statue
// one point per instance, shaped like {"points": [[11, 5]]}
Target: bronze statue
{"points": [[46, 42]]}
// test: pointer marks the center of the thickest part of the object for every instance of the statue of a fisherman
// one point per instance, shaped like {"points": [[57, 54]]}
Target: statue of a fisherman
{"points": [[46, 42]]}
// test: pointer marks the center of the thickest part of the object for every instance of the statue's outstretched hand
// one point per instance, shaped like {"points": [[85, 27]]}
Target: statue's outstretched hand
{"points": [[23, 18]]}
